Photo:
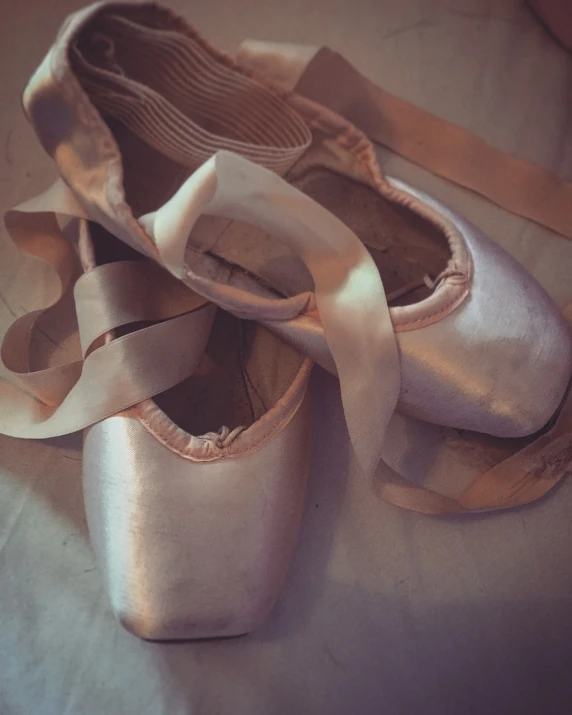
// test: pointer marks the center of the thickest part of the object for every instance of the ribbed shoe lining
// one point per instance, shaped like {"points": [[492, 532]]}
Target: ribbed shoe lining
{"points": [[166, 88]]}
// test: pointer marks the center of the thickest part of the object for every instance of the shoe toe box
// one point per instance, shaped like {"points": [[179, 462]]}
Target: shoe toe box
{"points": [[192, 549]]}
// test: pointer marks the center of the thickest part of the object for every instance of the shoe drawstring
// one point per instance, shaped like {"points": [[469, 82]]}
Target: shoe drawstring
{"points": [[447, 273], [224, 437]]}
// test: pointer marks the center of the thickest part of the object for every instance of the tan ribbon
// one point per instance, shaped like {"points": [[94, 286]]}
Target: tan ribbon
{"points": [[324, 76], [116, 375], [127, 292], [518, 186], [348, 290]]}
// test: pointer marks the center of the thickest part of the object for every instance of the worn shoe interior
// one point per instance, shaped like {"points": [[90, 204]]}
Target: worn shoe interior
{"points": [[244, 371], [170, 102]]}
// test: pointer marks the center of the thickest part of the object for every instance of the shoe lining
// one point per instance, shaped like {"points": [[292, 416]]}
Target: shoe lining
{"points": [[171, 104], [244, 372], [405, 247]]}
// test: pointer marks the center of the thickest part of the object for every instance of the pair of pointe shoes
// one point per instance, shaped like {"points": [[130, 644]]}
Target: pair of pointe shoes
{"points": [[231, 234]]}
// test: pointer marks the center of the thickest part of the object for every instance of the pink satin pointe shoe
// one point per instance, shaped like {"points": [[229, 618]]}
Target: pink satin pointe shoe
{"points": [[131, 101], [194, 497]]}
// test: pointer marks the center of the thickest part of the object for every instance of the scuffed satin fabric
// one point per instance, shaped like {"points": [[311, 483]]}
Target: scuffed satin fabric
{"points": [[501, 362], [193, 549]]}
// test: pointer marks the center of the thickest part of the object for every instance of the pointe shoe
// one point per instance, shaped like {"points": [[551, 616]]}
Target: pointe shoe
{"points": [[194, 497]]}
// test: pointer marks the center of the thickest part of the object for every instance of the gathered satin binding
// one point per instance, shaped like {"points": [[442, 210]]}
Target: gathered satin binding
{"points": [[483, 347]]}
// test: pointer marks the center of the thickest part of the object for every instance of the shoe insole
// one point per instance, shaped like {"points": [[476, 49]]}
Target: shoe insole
{"points": [[405, 247]]}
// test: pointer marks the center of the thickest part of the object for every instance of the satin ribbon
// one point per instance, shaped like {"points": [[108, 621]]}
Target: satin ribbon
{"points": [[455, 154], [116, 375]]}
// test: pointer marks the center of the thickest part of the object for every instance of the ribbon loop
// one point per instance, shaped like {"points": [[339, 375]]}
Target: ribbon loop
{"points": [[348, 289], [116, 375]]}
